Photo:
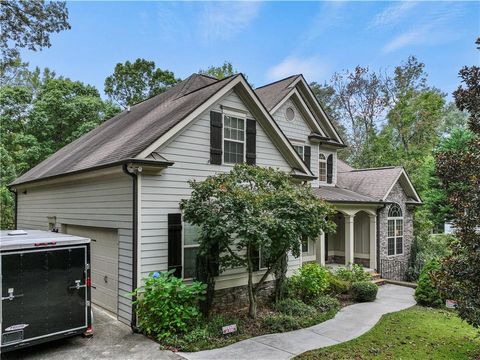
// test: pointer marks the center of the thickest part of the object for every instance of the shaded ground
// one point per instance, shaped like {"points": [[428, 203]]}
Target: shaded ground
{"points": [[415, 333], [112, 340]]}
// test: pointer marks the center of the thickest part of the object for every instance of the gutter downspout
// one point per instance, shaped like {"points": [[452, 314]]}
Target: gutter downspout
{"points": [[133, 174]]}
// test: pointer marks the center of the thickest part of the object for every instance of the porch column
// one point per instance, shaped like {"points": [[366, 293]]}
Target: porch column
{"points": [[349, 233], [321, 249], [373, 241]]}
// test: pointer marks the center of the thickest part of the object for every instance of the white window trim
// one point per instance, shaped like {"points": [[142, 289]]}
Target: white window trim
{"points": [[325, 162], [395, 219], [299, 144], [183, 250], [238, 115]]}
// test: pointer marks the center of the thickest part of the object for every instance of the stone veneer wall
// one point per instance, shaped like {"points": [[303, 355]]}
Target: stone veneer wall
{"points": [[237, 297], [398, 262]]}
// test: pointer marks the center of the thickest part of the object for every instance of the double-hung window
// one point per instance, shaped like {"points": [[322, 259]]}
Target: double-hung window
{"points": [[395, 230], [322, 168], [191, 234], [300, 149], [233, 139]]}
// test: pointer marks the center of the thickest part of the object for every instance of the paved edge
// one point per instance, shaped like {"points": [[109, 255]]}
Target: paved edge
{"points": [[349, 323]]}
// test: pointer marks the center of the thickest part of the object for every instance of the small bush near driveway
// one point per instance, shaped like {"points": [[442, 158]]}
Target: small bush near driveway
{"points": [[426, 292], [364, 291]]}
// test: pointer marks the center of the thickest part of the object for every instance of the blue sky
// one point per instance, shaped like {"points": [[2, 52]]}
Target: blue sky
{"points": [[266, 41]]}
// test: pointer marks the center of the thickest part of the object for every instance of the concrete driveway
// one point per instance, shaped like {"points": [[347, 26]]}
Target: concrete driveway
{"points": [[112, 340]]}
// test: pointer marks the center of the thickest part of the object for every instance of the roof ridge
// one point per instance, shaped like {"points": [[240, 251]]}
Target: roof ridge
{"points": [[377, 168], [203, 87], [277, 81]]}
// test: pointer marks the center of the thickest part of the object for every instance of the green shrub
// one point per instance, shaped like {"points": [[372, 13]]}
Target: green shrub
{"points": [[281, 323], [426, 293], [354, 274], [326, 303], [310, 282], [337, 286], [166, 305], [364, 291], [294, 307]]}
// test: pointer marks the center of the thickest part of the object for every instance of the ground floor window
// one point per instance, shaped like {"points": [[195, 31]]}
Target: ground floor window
{"points": [[191, 235], [395, 230]]}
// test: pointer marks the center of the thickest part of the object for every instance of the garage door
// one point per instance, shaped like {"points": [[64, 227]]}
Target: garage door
{"points": [[104, 263]]}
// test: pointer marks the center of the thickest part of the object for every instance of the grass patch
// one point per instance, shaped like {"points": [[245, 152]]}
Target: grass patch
{"points": [[414, 333], [208, 334]]}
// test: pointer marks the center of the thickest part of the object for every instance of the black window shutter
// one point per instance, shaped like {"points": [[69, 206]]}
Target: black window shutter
{"points": [[329, 168], [175, 244], [251, 142], [215, 138], [307, 155]]}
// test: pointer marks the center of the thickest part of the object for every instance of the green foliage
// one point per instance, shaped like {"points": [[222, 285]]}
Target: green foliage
{"points": [[252, 208], [281, 323], [166, 305], [337, 286], [220, 72], [459, 170], [426, 293], [309, 282], [326, 303], [131, 83], [352, 274], [364, 291], [293, 307], [28, 24]]}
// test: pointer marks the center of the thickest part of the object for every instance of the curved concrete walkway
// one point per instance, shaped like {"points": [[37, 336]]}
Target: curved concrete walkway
{"points": [[350, 322]]}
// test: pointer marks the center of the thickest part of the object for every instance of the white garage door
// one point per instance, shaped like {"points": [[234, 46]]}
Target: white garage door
{"points": [[104, 263]]}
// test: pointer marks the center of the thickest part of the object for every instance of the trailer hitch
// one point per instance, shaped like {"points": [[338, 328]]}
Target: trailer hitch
{"points": [[10, 295], [77, 285]]}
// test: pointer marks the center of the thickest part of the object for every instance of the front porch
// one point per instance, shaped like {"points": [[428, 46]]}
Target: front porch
{"points": [[354, 242]]}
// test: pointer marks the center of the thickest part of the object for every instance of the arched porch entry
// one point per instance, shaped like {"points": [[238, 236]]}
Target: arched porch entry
{"points": [[354, 241]]}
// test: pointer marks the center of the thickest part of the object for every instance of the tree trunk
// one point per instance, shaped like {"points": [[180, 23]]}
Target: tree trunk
{"points": [[252, 308]]}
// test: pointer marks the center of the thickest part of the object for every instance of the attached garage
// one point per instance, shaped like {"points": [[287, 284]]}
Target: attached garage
{"points": [[104, 264]]}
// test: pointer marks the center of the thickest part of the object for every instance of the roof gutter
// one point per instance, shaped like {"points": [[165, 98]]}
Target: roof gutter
{"points": [[159, 163], [133, 173]]}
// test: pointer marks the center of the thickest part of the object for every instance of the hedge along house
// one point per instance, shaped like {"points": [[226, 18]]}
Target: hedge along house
{"points": [[121, 183]]}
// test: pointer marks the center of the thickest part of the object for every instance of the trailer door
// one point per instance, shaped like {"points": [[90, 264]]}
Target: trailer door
{"points": [[43, 293]]}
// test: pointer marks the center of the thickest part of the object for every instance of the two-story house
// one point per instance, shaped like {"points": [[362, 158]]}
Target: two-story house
{"points": [[121, 183]]}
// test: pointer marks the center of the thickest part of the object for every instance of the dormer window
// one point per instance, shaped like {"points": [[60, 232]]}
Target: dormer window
{"points": [[322, 168]]}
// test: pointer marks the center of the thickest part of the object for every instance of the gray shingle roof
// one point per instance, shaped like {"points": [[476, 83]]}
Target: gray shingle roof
{"points": [[130, 132], [336, 194], [273, 93], [375, 182]]}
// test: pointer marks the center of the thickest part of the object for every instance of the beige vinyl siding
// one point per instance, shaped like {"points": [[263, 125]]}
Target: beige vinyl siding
{"points": [[104, 202], [161, 194]]}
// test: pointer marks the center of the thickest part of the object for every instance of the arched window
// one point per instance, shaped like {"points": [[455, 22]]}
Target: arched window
{"points": [[322, 168], [395, 230]]}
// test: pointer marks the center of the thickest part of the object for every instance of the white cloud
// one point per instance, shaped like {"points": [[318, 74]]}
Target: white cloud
{"points": [[432, 26], [392, 14], [312, 68], [222, 20]]}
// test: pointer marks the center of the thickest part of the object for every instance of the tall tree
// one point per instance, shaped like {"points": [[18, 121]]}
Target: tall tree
{"points": [[361, 103], [28, 24], [220, 72], [131, 83], [459, 168]]}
